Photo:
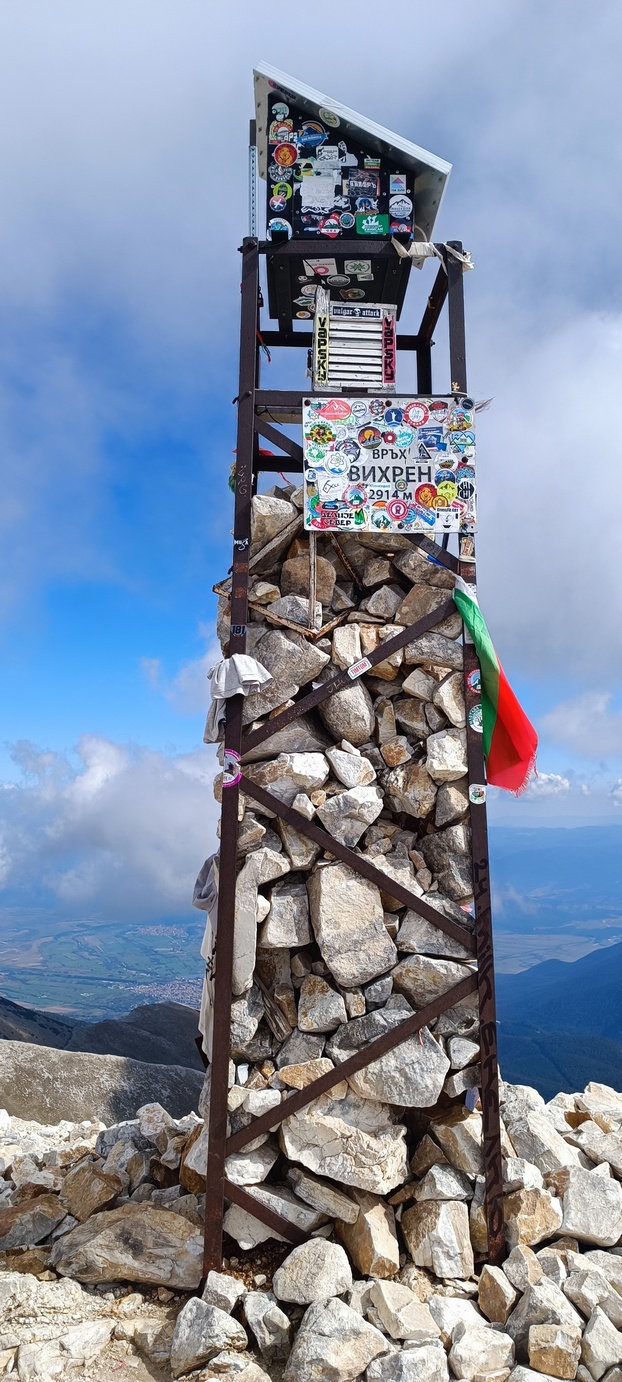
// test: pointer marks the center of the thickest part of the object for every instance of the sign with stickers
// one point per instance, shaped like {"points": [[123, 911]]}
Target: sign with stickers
{"points": [[390, 464], [323, 183]]}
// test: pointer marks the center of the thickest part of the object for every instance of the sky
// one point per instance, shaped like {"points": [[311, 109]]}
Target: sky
{"points": [[123, 198]]}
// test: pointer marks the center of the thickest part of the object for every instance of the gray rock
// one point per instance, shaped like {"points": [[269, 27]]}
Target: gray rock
{"points": [[534, 1138], [303, 736], [480, 1352], [410, 788], [320, 1194], [434, 648], [348, 814], [353, 769], [424, 1363], [418, 936], [449, 698], [452, 802], [350, 1140], [521, 1374], [334, 1344], [349, 714], [446, 759], [201, 1331], [410, 716], [592, 1207], [401, 1314], [294, 608], [437, 1237], [462, 1052], [347, 918], [448, 854], [423, 978], [602, 1345], [295, 578], [542, 1303], [132, 1243], [346, 646], [249, 1231], [223, 1291], [600, 1146], [313, 1271], [292, 662], [444, 1183], [269, 1324], [377, 994], [320, 1008], [299, 1048], [250, 1168], [422, 599], [287, 923], [284, 777], [246, 1014], [589, 1288], [30, 1221], [384, 602], [269, 516], [414, 564], [410, 1076], [261, 866], [47, 1085]]}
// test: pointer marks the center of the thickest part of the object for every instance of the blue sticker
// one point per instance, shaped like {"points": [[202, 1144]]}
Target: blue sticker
{"points": [[394, 416]]}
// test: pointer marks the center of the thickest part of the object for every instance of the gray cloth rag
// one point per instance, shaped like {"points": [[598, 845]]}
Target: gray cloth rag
{"points": [[205, 897], [233, 676]]}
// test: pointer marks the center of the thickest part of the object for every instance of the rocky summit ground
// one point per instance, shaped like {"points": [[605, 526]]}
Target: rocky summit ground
{"points": [[101, 1242]]}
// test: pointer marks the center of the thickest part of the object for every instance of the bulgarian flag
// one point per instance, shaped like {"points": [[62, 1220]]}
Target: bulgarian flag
{"points": [[510, 740]]}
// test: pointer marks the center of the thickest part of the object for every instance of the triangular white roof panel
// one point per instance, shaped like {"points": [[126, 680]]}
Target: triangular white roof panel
{"points": [[431, 173]]}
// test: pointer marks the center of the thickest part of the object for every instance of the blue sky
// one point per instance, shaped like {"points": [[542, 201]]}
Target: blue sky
{"points": [[123, 133]]}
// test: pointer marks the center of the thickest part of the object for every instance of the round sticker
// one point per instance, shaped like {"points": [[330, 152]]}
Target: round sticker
{"points": [[347, 220], [405, 436], [282, 189], [474, 680], [416, 413], [335, 409], [329, 117], [475, 718], [477, 793], [321, 433], [304, 315], [465, 472], [397, 509], [281, 132], [275, 173], [350, 448], [306, 168], [359, 408], [401, 485], [338, 280], [438, 409], [390, 438], [370, 437], [278, 203], [280, 111], [232, 771], [376, 407], [425, 494], [331, 226], [355, 495], [277, 224], [308, 290], [400, 207], [336, 462], [447, 490], [394, 416], [285, 155], [311, 135], [353, 294]]}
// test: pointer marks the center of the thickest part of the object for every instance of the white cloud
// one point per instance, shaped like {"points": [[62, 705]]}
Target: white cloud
{"points": [[586, 724], [548, 785], [188, 690], [121, 833]]}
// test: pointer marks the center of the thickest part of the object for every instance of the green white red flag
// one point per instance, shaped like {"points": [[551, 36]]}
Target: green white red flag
{"points": [[510, 740]]}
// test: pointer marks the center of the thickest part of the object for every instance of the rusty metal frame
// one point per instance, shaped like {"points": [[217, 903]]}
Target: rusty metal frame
{"points": [[258, 410]]}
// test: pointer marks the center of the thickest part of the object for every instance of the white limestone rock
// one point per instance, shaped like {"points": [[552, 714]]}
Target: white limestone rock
{"points": [[602, 1345], [262, 866], [313, 1271], [320, 1008], [422, 978], [592, 1207], [444, 1183], [534, 1138], [320, 1194], [420, 1363], [449, 697], [448, 1311], [403, 1316], [287, 923], [201, 1331], [348, 814], [410, 1076], [249, 1231], [287, 775], [353, 1141], [418, 936], [542, 1303], [588, 1287], [446, 759], [223, 1291], [353, 769], [347, 919], [437, 1237], [333, 1344], [480, 1351], [371, 1238], [269, 1324]]}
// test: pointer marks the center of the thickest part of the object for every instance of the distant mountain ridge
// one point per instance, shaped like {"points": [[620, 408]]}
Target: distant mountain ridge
{"points": [[583, 996], [155, 1033]]}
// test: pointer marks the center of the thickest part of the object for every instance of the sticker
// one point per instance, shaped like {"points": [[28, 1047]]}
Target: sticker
{"points": [[475, 718], [425, 494], [304, 315], [416, 413], [355, 496], [397, 509], [372, 224], [321, 433], [350, 448], [474, 680], [329, 118], [232, 771], [352, 294], [280, 111], [357, 668], [319, 268], [309, 290], [339, 281], [447, 490], [278, 203], [275, 172], [306, 168], [311, 135], [389, 438], [376, 407], [366, 204], [394, 416], [467, 547], [359, 407], [280, 131], [282, 189], [279, 225], [237, 630], [371, 162], [286, 155], [357, 266], [331, 226], [397, 184], [335, 409], [348, 221], [401, 208], [438, 409], [477, 793], [465, 472], [405, 436], [370, 437], [328, 157]]}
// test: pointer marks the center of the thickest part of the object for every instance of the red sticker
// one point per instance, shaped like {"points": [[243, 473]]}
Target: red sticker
{"points": [[396, 510], [286, 155], [416, 414], [335, 410]]}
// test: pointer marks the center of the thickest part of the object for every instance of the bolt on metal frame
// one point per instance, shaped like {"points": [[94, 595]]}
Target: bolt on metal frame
{"points": [[257, 411]]}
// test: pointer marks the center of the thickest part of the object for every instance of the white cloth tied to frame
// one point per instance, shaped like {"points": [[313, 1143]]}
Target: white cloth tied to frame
{"points": [[418, 250], [233, 676], [205, 897]]}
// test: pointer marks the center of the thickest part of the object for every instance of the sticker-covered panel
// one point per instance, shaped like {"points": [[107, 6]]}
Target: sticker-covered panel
{"points": [[390, 464], [322, 182]]}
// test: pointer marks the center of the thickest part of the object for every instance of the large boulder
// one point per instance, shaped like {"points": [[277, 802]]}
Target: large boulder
{"points": [[46, 1085]]}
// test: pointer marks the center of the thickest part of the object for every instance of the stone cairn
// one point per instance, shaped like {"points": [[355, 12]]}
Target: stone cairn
{"points": [[101, 1227]]}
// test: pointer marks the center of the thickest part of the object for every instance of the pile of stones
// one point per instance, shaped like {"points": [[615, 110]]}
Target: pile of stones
{"points": [[101, 1256]]}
